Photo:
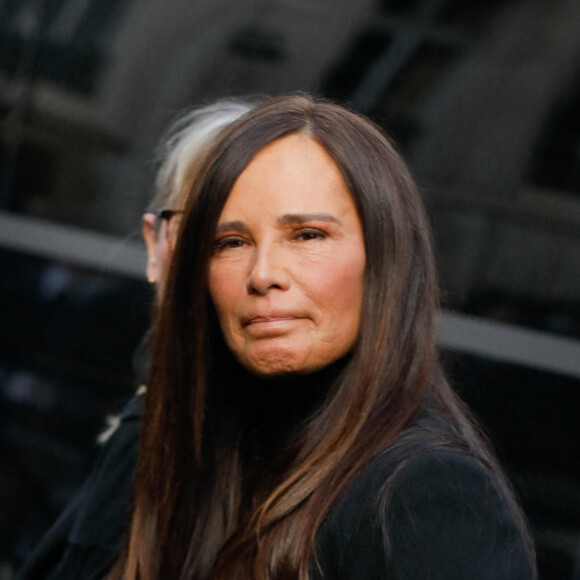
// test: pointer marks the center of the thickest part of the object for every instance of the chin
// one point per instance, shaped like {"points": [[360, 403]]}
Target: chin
{"points": [[275, 362]]}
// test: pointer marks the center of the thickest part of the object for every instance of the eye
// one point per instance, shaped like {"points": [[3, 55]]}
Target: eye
{"points": [[229, 243], [310, 234]]}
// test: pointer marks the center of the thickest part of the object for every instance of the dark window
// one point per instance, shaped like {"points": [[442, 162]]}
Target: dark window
{"points": [[63, 41], [358, 58], [556, 161]]}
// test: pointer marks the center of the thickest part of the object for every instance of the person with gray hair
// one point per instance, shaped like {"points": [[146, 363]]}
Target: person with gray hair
{"points": [[86, 538], [180, 155]]}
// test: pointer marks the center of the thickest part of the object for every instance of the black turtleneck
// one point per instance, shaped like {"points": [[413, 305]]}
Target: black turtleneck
{"points": [[272, 409]]}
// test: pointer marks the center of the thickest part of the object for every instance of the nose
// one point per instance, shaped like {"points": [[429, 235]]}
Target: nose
{"points": [[268, 271]]}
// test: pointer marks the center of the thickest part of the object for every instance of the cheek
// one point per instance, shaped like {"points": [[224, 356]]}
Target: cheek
{"points": [[337, 287], [164, 255], [223, 290]]}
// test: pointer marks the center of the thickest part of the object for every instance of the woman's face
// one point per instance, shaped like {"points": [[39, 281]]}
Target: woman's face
{"points": [[286, 274]]}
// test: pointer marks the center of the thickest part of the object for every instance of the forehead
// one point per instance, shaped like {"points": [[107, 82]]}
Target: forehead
{"points": [[293, 173]]}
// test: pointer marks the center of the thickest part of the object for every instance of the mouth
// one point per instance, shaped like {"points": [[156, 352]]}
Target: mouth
{"points": [[270, 326], [267, 319]]}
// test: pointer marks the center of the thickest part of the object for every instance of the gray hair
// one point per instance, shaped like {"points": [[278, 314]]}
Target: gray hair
{"points": [[184, 145]]}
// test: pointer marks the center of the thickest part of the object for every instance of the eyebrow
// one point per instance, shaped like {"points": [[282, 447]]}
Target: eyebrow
{"points": [[298, 218], [291, 218], [235, 225]]}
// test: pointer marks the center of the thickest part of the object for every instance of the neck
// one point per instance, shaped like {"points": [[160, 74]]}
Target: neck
{"points": [[292, 395], [272, 410]]}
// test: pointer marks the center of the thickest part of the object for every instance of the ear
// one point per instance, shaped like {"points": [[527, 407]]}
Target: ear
{"points": [[151, 241]]}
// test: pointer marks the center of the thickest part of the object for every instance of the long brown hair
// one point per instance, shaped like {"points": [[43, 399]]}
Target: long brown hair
{"points": [[201, 509]]}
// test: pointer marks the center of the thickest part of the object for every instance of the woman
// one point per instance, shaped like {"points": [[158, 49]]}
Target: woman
{"points": [[298, 421], [85, 540]]}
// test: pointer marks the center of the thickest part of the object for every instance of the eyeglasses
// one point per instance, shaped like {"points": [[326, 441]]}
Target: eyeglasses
{"points": [[167, 215]]}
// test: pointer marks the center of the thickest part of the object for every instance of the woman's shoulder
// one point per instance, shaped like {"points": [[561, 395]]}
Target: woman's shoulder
{"points": [[396, 480], [428, 471], [436, 513]]}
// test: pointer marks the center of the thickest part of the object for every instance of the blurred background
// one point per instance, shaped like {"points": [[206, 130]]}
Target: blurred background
{"points": [[483, 98]]}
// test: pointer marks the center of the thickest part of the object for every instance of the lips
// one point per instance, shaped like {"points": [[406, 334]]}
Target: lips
{"points": [[267, 319], [271, 325]]}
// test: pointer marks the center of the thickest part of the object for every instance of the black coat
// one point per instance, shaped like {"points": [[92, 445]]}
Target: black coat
{"points": [[442, 516], [419, 511], [85, 540]]}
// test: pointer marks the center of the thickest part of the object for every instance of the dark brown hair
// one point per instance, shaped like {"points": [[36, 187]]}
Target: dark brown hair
{"points": [[200, 509]]}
